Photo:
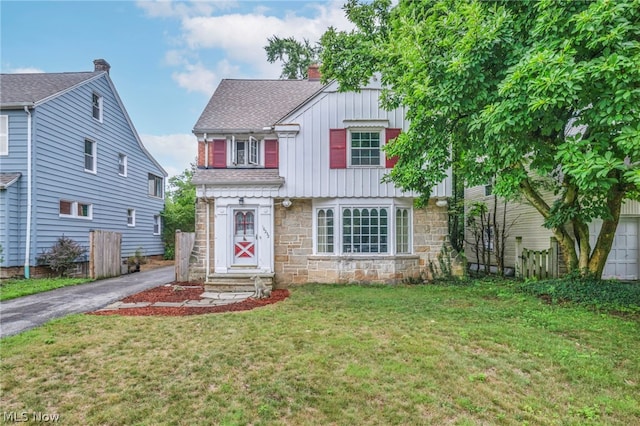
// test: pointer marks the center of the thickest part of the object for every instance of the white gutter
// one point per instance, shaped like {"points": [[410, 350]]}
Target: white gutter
{"points": [[27, 250]]}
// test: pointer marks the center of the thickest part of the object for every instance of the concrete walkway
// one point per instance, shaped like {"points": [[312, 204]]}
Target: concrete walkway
{"points": [[210, 299], [24, 313]]}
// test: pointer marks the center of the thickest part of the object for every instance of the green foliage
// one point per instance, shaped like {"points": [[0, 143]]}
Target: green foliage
{"points": [[179, 209], [539, 94], [613, 296], [62, 256], [295, 56]]}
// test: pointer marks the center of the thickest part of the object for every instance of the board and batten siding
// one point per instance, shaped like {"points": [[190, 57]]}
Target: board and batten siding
{"points": [[60, 127], [305, 157]]}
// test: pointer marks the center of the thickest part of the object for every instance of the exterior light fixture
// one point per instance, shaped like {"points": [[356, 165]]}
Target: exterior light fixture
{"points": [[241, 201], [442, 202], [286, 203]]}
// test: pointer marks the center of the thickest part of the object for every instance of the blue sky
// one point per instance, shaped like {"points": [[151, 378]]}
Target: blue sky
{"points": [[166, 57]]}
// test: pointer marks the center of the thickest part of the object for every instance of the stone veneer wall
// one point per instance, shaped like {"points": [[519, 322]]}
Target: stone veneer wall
{"points": [[197, 263], [295, 262]]}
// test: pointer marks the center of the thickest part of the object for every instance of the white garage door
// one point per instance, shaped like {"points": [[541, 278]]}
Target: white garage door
{"points": [[622, 262]]}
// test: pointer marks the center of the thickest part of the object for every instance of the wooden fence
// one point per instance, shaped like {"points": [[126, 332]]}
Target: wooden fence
{"points": [[183, 247], [105, 254], [537, 263]]}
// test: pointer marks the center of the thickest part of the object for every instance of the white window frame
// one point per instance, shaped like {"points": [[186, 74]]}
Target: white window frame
{"points": [[157, 224], [99, 107], [350, 147], [75, 206], [4, 135], [152, 189], [122, 164], [93, 156], [338, 206], [252, 154], [131, 217]]}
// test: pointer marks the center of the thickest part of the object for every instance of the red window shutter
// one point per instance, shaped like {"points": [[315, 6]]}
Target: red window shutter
{"points": [[271, 153], [338, 148], [389, 135], [219, 153], [201, 159]]}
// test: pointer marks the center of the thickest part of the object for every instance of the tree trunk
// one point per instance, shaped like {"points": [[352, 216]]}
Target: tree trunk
{"points": [[603, 245]]}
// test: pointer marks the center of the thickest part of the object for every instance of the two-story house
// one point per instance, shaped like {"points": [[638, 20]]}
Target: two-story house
{"points": [[71, 161], [289, 188]]}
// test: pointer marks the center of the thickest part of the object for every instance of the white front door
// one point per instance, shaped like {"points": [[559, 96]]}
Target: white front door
{"points": [[244, 237]]}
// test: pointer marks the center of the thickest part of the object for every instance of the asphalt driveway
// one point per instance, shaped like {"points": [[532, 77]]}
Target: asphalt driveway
{"points": [[23, 313]]}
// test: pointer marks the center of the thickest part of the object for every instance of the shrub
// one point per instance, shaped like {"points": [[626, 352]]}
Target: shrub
{"points": [[608, 295], [62, 256]]}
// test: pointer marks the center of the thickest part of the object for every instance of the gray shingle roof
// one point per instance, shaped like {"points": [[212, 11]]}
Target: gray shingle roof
{"points": [[253, 104], [237, 177], [30, 88]]}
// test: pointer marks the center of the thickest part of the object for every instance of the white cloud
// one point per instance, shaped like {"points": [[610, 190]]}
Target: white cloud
{"points": [[196, 78], [175, 153], [181, 9], [27, 70]]}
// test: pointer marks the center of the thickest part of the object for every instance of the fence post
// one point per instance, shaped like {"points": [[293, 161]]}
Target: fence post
{"points": [[554, 257], [518, 263]]}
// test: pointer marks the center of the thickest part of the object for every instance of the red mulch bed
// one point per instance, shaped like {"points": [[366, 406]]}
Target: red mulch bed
{"points": [[180, 292]]}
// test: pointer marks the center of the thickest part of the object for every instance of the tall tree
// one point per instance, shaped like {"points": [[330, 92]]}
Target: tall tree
{"points": [[296, 56], [543, 94], [179, 209]]}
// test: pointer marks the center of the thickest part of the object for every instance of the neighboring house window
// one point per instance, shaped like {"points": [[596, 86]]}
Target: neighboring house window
{"points": [[365, 230], [4, 135], [325, 231], [75, 209], [156, 186], [365, 148], [97, 106], [402, 230], [157, 225], [122, 165], [246, 151], [488, 189], [90, 155], [488, 238], [131, 217]]}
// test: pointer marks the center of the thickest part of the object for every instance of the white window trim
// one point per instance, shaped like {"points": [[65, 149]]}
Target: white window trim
{"points": [[100, 107], [339, 205], [74, 210], [4, 135], [95, 156], [381, 156], [132, 216], [157, 220], [126, 165]]}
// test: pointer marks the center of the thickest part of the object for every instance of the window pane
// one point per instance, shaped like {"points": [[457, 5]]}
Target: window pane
{"points": [[89, 155], [364, 230], [122, 164], [241, 154], [365, 148], [402, 230], [325, 231], [156, 225], [253, 151], [96, 106], [65, 207], [83, 210]]}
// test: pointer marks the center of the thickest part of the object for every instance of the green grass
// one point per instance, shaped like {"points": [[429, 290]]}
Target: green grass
{"points": [[344, 355], [10, 289]]}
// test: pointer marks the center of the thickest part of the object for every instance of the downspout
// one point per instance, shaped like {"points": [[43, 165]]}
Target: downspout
{"points": [[27, 250]]}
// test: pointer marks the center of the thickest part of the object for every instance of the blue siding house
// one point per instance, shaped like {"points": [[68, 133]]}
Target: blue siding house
{"points": [[71, 161]]}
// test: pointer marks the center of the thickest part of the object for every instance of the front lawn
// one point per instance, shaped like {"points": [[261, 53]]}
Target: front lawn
{"points": [[12, 288], [343, 355]]}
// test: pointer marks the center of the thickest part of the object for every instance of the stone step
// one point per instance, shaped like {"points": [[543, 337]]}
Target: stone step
{"points": [[236, 282]]}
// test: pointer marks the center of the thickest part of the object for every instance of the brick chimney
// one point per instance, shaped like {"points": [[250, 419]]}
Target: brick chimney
{"points": [[313, 72], [101, 65]]}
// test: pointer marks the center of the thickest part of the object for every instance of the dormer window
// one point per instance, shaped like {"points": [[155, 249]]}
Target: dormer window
{"points": [[246, 152]]}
